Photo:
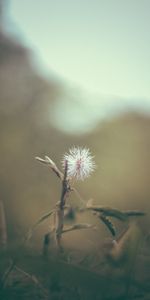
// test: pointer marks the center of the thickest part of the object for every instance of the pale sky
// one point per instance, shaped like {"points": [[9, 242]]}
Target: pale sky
{"points": [[100, 46]]}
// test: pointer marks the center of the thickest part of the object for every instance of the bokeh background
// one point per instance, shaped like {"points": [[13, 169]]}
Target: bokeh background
{"points": [[74, 73]]}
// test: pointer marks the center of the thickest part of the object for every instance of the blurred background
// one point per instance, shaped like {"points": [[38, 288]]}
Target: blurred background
{"points": [[74, 73]]}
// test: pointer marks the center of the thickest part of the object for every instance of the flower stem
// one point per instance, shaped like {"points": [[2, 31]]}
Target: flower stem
{"points": [[60, 209]]}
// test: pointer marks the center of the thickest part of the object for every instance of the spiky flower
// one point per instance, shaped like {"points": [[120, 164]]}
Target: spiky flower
{"points": [[80, 163]]}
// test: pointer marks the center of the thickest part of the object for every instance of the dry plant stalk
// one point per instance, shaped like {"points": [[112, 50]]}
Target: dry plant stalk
{"points": [[3, 281], [58, 212], [77, 164], [60, 209], [3, 226]]}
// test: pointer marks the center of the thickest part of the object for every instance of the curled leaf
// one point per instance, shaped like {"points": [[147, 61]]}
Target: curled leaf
{"points": [[109, 224]]}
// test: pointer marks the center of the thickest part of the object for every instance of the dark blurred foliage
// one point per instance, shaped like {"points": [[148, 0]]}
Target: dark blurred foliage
{"points": [[121, 148]]}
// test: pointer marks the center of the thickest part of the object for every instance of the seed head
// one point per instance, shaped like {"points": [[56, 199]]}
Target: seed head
{"points": [[80, 163]]}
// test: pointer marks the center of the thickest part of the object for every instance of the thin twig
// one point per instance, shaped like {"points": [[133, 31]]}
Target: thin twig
{"points": [[52, 165], [40, 220], [78, 227], [3, 226], [79, 197], [7, 273], [33, 278]]}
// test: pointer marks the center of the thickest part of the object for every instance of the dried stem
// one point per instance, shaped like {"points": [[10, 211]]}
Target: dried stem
{"points": [[78, 227], [60, 209], [52, 165], [7, 273], [3, 227], [33, 278], [58, 212]]}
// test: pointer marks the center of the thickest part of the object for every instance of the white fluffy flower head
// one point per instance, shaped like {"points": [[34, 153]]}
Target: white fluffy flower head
{"points": [[80, 163]]}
